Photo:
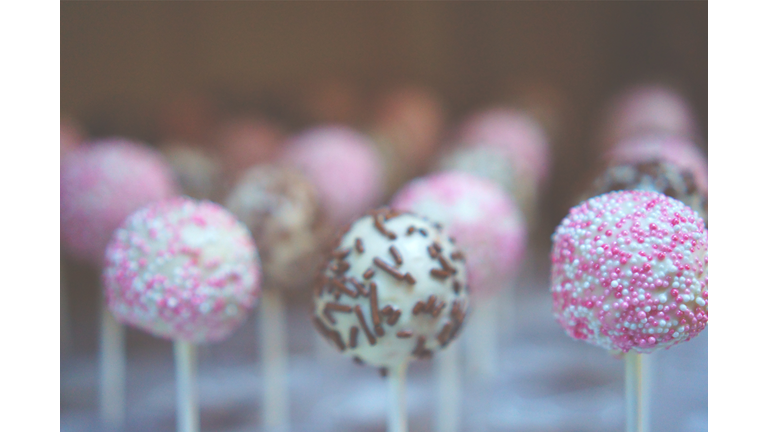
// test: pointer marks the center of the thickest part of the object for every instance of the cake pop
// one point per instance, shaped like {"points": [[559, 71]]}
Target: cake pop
{"points": [[344, 167], [71, 136], [183, 270], [394, 290], [198, 174], [479, 215], [101, 184], [246, 141], [515, 133], [629, 272], [647, 108], [492, 164]]}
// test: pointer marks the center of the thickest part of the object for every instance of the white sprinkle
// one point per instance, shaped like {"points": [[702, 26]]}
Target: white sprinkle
{"points": [[700, 301], [614, 284]]}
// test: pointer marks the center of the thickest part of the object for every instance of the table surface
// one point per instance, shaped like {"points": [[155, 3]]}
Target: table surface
{"points": [[546, 382]]}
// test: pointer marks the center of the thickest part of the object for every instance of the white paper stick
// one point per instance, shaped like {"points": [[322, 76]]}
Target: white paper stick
{"points": [[111, 371], [397, 420], [482, 339], [633, 388], [274, 362], [448, 415], [187, 408]]}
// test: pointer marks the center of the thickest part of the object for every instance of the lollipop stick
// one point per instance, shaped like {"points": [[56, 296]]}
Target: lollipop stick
{"points": [[112, 371], [448, 390], [482, 340], [187, 411], [633, 387], [274, 362], [398, 416]]}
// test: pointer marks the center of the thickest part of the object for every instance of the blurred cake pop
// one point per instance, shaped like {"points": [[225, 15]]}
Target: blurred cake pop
{"points": [[484, 221], [630, 272], [198, 174], [187, 117], [101, 184], [182, 269], [71, 135], [395, 289], [344, 167], [491, 163], [516, 134], [332, 100], [651, 108], [281, 209], [407, 125], [243, 142], [677, 150]]}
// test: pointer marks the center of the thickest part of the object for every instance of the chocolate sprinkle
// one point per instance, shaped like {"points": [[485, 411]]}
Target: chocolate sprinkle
{"points": [[369, 273], [353, 337], [430, 303], [335, 307], [359, 245], [341, 253], [457, 256], [409, 278], [375, 317], [343, 288], [392, 320], [359, 286], [439, 273], [456, 286], [421, 351], [437, 309], [387, 268], [382, 229], [366, 330], [411, 229], [444, 333], [446, 265], [405, 334], [423, 232], [418, 307], [396, 255]]}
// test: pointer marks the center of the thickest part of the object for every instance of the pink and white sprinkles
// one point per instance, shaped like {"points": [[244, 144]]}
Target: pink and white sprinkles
{"points": [[182, 269], [101, 184], [484, 220], [629, 271]]}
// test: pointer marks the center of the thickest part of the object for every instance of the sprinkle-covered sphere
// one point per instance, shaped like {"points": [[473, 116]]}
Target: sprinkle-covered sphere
{"points": [[630, 272], [516, 134], [344, 167], [395, 289], [281, 209], [182, 269], [101, 184], [479, 215]]}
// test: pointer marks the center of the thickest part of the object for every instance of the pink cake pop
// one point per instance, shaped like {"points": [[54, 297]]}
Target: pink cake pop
{"points": [[514, 132], [484, 221], [101, 184], [677, 150], [71, 136], [629, 272], [648, 108], [246, 141], [344, 167], [182, 269]]}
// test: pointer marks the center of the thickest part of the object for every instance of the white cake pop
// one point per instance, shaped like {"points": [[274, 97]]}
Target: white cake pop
{"points": [[395, 289], [182, 269]]}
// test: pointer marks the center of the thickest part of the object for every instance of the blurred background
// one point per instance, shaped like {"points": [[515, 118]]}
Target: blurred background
{"points": [[187, 71]]}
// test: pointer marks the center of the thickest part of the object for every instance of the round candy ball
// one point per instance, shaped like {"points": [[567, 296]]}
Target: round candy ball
{"points": [[516, 134], [182, 269], [479, 215], [281, 209], [101, 184], [395, 289], [630, 272], [344, 167]]}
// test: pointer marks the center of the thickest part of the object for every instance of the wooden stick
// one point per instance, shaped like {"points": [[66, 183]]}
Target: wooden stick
{"points": [[111, 371], [187, 408], [274, 362], [397, 420], [448, 415], [633, 388]]}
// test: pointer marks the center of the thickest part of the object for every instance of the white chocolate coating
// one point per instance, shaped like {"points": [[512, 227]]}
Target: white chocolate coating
{"points": [[372, 318]]}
